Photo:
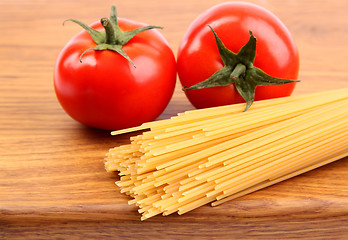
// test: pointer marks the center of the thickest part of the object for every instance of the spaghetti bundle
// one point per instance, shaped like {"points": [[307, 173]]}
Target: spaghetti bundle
{"points": [[217, 154]]}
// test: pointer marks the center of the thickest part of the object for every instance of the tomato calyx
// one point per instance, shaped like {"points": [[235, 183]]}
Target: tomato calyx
{"points": [[239, 69], [113, 38]]}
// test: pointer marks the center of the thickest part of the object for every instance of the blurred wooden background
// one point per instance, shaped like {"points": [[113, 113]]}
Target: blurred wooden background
{"points": [[52, 178]]}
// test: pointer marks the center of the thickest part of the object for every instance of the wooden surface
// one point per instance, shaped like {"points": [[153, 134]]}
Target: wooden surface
{"points": [[52, 180]]}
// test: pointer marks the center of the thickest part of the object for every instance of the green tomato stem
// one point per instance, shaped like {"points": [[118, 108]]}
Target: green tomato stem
{"points": [[238, 72], [239, 69], [109, 31], [114, 38]]}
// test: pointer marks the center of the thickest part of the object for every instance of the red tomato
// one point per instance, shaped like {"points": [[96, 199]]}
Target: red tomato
{"points": [[199, 58], [105, 90]]}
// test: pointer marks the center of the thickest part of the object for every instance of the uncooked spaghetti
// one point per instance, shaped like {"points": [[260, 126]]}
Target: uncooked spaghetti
{"points": [[217, 154]]}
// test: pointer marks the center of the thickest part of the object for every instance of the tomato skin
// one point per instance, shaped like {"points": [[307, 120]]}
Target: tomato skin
{"points": [[105, 90], [198, 56]]}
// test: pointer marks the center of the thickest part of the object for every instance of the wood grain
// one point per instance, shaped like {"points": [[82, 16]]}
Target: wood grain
{"points": [[52, 179]]}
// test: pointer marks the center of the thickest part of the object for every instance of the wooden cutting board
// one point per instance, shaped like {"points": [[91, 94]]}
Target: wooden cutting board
{"points": [[52, 179]]}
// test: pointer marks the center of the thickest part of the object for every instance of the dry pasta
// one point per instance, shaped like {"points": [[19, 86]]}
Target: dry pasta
{"points": [[217, 154]]}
